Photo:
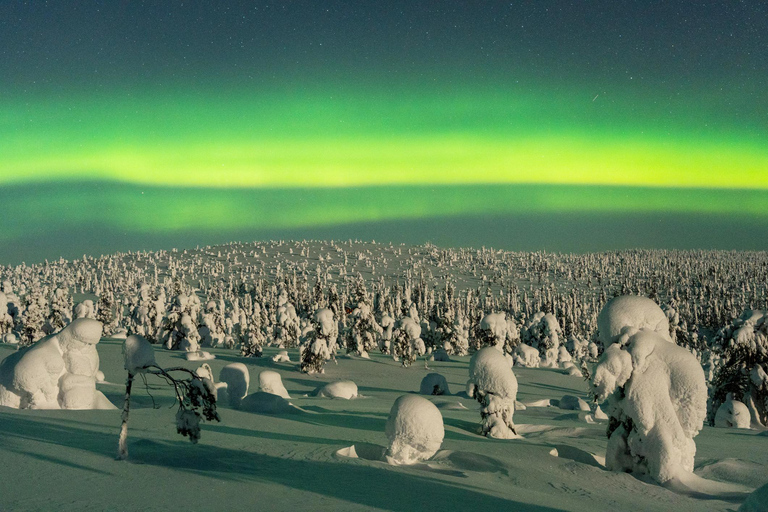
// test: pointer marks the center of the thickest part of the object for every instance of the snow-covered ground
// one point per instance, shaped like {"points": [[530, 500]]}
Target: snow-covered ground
{"points": [[302, 458]]}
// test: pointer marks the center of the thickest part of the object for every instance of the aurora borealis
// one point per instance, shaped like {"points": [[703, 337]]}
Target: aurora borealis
{"points": [[341, 113]]}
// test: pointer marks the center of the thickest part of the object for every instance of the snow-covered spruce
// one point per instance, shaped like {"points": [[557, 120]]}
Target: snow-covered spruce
{"points": [[543, 332], [656, 399], [319, 345], [415, 430], [57, 372], [491, 332], [407, 343], [493, 384], [732, 414], [364, 332], [740, 365]]}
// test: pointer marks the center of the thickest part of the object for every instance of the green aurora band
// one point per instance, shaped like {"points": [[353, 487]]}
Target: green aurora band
{"points": [[341, 137]]}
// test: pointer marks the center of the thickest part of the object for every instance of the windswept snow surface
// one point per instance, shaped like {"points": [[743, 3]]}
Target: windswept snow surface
{"points": [[255, 460]]}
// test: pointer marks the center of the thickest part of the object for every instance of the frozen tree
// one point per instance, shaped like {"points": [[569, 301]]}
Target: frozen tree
{"points": [[179, 330], [60, 313], [34, 317], [740, 365], [407, 343], [362, 335], [106, 313], [655, 395], [492, 331], [196, 396], [6, 320], [543, 333], [320, 343], [85, 309], [288, 328], [493, 384], [387, 328]]}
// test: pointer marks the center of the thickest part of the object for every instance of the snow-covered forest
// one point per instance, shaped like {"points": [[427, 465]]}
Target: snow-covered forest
{"points": [[656, 343]]}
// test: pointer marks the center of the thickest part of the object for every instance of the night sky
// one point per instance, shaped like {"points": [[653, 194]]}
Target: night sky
{"points": [[239, 96]]}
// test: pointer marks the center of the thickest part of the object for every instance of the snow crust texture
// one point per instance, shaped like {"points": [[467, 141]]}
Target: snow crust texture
{"points": [[415, 430]]}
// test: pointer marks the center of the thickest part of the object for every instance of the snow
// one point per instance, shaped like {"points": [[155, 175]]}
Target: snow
{"points": [[732, 414], [493, 384], [138, 354], [237, 379], [415, 430], [262, 402], [434, 384], [271, 382], [757, 501], [57, 372], [573, 403], [345, 389], [630, 313], [657, 395], [527, 356], [200, 355]]}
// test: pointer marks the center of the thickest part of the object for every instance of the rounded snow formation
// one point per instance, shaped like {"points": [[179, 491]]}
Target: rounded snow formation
{"points": [[657, 390], [415, 430], [266, 403], [628, 314], [441, 355], [270, 382], [573, 403], [489, 371], [345, 389], [57, 372], [527, 356], [237, 378], [434, 384], [733, 414], [138, 354]]}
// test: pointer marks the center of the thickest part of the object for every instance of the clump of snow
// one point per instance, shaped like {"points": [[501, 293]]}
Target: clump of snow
{"points": [[238, 379], [57, 372], [732, 414], [656, 398], [281, 357], [9, 338], [492, 330], [543, 333], [138, 354], [270, 382], [493, 384], [573, 403], [415, 430], [200, 355], [441, 355], [434, 384], [527, 356], [339, 389], [627, 314]]}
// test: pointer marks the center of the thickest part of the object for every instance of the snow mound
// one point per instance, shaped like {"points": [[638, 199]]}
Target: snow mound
{"points": [[573, 403], [527, 356], [732, 414], [236, 377], [493, 384], [628, 314], [270, 382], [434, 384], [266, 403], [415, 430], [339, 389], [281, 357], [57, 372], [200, 355], [441, 355], [138, 354]]}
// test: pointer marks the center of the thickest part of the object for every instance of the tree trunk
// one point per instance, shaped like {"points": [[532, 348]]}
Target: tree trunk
{"points": [[122, 450]]}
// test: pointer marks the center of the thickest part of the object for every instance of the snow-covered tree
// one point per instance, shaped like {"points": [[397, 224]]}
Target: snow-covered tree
{"points": [[34, 317], [493, 384], [320, 343], [543, 333], [740, 365], [363, 333], [407, 343]]}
